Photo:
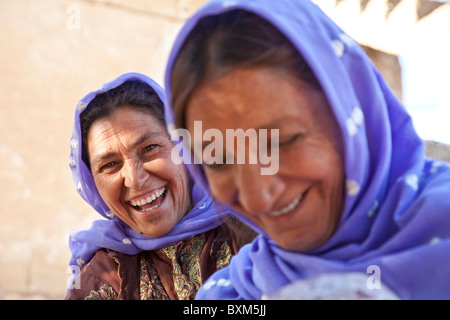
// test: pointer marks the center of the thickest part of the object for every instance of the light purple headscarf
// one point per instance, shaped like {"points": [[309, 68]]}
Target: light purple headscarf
{"points": [[112, 233], [397, 203]]}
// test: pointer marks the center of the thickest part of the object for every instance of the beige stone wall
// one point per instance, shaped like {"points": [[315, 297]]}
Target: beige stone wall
{"points": [[52, 53], [437, 150]]}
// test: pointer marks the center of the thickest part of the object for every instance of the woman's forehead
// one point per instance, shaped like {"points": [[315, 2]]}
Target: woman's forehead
{"points": [[254, 97], [134, 124]]}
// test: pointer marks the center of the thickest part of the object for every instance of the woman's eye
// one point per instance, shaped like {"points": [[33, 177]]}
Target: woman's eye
{"points": [[213, 166], [289, 140], [109, 165], [150, 147]]}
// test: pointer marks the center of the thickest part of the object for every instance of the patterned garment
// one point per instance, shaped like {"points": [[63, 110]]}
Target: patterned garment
{"points": [[186, 271], [189, 260], [106, 292]]}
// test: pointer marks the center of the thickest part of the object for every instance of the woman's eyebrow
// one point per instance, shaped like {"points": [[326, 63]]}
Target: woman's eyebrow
{"points": [[103, 157], [144, 137], [135, 144], [281, 122]]}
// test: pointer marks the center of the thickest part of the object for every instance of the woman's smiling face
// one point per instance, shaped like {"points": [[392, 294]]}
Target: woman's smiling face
{"points": [[129, 155], [299, 207]]}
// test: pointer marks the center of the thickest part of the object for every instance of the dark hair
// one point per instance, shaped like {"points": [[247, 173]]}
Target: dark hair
{"points": [[132, 93], [224, 43]]}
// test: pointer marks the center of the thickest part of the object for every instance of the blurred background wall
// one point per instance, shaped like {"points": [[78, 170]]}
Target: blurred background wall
{"points": [[53, 52]]}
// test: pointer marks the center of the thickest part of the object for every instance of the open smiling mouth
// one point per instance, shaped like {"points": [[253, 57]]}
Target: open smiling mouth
{"points": [[288, 208], [149, 202]]}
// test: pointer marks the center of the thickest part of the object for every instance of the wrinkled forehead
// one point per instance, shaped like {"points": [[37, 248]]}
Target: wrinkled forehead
{"points": [[256, 98], [131, 125]]}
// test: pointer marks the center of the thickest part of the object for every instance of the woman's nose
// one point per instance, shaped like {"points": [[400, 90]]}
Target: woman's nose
{"points": [[257, 193], [134, 175]]}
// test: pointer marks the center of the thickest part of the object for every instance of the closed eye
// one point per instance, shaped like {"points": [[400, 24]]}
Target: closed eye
{"points": [[290, 140], [213, 165]]}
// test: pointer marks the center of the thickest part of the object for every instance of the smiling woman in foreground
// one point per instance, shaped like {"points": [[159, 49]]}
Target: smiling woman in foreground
{"points": [[163, 236], [353, 192]]}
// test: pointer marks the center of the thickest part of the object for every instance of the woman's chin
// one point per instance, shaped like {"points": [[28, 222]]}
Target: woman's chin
{"points": [[150, 232]]}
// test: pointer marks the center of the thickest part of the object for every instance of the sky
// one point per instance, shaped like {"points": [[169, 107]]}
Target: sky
{"points": [[426, 92], [423, 48]]}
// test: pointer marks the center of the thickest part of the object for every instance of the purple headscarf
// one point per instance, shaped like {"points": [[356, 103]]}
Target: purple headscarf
{"points": [[112, 233], [397, 203]]}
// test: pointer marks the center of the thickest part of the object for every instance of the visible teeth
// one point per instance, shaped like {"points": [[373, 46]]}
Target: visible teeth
{"points": [[287, 208], [149, 199], [151, 208]]}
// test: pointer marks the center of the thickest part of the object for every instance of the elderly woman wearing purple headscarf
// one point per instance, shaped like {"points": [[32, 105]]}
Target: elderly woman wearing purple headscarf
{"points": [[163, 236], [352, 191]]}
